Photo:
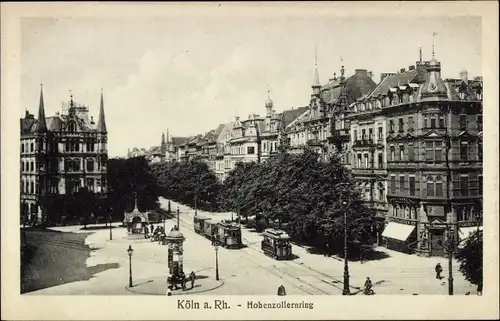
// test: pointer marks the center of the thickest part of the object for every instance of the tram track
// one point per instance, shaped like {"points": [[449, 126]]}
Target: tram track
{"points": [[293, 263], [275, 270]]}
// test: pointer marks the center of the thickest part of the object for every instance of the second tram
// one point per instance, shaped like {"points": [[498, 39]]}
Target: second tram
{"points": [[276, 244]]}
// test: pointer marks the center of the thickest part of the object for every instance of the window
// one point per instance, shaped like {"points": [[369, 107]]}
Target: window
{"points": [[433, 151], [464, 150], [363, 134], [22, 147], [429, 151], [410, 123], [463, 122], [380, 133], [412, 185], [441, 122], [90, 165], [430, 186], [425, 123], [367, 161], [393, 153], [480, 122], [393, 184], [32, 147], [391, 126], [480, 185], [250, 150], [381, 192], [402, 184], [464, 185], [401, 124], [380, 161], [401, 153], [433, 122], [480, 151], [370, 134], [359, 160], [439, 186], [411, 156]]}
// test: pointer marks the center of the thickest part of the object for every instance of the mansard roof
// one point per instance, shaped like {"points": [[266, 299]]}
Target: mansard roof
{"points": [[357, 85]]}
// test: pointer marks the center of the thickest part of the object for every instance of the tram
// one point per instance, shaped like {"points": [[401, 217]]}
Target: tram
{"points": [[229, 235], [210, 228], [199, 223], [276, 244]]}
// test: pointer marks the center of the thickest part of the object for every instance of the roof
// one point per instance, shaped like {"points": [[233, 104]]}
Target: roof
{"points": [[290, 115], [402, 78], [357, 85], [177, 141], [213, 135]]}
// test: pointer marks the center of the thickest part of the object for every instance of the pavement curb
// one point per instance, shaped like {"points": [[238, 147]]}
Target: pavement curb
{"points": [[215, 286]]}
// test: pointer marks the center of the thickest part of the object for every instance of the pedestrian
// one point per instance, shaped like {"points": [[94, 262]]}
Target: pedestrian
{"points": [[438, 270], [368, 286], [192, 276]]}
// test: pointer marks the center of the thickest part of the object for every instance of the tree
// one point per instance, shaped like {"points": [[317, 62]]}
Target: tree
{"points": [[470, 257]]}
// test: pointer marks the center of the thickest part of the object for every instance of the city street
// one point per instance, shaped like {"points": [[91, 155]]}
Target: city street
{"points": [[248, 270]]}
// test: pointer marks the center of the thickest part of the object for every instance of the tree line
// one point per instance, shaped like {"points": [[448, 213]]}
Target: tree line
{"points": [[298, 192]]}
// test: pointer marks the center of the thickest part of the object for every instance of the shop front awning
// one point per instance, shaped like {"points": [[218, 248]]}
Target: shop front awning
{"points": [[398, 231], [465, 232]]}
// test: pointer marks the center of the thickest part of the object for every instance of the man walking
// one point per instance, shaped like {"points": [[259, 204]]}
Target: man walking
{"points": [[438, 270]]}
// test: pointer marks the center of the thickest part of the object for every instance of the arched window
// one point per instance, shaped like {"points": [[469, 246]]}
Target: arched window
{"points": [[90, 165], [71, 127], [439, 186], [430, 186], [76, 165]]}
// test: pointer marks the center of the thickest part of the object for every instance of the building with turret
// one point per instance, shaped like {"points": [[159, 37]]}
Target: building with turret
{"points": [[61, 154], [416, 153]]}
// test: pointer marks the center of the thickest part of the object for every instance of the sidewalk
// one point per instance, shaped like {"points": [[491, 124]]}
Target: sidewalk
{"points": [[399, 273]]}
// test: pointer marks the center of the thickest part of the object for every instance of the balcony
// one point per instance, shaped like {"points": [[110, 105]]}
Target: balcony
{"points": [[314, 142], [363, 143]]}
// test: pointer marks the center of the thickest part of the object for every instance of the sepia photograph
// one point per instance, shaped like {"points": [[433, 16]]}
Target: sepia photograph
{"points": [[250, 155]]}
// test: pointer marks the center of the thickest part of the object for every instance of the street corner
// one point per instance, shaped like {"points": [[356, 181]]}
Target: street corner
{"points": [[158, 286]]}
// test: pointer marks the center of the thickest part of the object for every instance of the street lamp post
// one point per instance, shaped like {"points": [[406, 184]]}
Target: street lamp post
{"points": [[216, 247], [130, 250], [450, 248], [110, 230], [345, 291]]}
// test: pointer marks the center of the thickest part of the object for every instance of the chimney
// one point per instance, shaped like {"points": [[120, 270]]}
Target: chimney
{"points": [[27, 114], [411, 68], [402, 70], [370, 74]]}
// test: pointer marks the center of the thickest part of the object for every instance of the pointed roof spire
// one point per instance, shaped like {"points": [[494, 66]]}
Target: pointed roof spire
{"points": [[101, 124], [420, 54], [41, 125], [316, 82]]}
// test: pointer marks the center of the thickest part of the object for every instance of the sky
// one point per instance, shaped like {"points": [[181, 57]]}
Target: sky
{"points": [[188, 74]]}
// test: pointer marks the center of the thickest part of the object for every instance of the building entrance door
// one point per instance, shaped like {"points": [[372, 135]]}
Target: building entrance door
{"points": [[437, 243]]}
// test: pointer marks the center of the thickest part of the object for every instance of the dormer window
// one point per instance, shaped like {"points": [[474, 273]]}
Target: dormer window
{"points": [[72, 127]]}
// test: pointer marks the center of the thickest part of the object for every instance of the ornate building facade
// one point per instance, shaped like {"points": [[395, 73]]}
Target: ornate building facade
{"points": [[424, 154], [61, 154]]}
